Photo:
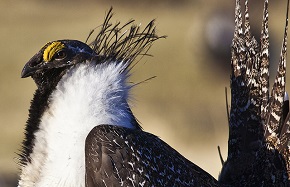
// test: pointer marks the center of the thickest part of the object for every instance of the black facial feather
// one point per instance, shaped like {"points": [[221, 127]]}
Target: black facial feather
{"points": [[38, 106]]}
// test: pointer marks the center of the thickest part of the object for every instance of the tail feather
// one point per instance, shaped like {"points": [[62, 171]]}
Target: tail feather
{"points": [[264, 61], [259, 133], [284, 128], [278, 91]]}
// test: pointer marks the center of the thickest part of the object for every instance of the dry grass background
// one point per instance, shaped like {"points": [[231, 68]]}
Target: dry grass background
{"points": [[184, 105]]}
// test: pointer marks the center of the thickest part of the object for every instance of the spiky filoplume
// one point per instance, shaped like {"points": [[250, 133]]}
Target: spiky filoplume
{"points": [[123, 42], [258, 152]]}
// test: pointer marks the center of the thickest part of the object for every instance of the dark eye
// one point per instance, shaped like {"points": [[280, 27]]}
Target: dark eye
{"points": [[60, 55]]}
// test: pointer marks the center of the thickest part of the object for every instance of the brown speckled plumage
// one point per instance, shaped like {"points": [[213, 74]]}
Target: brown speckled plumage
{"points": [[258, 139], [118, 156]]}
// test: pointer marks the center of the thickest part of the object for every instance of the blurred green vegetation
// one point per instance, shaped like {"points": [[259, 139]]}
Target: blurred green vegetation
{"points": [[184, 105]]}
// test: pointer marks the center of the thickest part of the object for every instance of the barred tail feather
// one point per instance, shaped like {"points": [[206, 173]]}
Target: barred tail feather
{"points": [[264, 60], [259, 133]]}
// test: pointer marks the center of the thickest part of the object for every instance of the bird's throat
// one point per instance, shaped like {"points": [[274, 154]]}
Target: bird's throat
{"points": [[86, 96]]}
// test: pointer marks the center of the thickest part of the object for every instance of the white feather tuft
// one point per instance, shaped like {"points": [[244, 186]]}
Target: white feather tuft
{"points": [[87, 96]]}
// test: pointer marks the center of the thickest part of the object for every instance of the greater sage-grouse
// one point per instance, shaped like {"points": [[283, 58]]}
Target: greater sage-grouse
{"points": [[258, 151], [81, 131]]}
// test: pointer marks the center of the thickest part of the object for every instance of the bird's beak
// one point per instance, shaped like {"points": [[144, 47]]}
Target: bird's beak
{"points": [[27, 71], [32, 66]]}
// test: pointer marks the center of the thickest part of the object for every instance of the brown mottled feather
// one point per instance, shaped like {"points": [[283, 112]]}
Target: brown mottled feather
{"points": [[257, 155], [118, 156]]}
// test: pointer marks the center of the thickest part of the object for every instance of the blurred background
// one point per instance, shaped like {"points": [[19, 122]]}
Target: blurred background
{"points": [[184, 104]]}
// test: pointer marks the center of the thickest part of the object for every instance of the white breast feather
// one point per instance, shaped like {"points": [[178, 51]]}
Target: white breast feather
{"points": [[87, 96]]}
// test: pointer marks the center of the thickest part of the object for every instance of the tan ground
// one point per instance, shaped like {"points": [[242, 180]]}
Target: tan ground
{"points": [[184, 105]]}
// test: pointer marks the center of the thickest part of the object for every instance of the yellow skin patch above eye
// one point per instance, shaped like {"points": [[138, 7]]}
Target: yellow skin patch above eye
{"points": [[50, 50]]}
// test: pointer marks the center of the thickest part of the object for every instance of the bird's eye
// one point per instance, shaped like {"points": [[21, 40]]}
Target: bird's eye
{"points": [[60, 55]]}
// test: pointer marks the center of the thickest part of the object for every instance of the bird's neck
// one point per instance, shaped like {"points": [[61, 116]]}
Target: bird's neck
{"points": [[86, 96]]}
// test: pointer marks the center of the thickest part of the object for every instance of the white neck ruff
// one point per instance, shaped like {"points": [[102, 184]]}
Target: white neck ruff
{"points": [[87, 96]]}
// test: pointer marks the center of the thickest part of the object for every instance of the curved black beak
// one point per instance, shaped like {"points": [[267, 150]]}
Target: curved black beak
{"points": [[27, 71], [32, 66]]}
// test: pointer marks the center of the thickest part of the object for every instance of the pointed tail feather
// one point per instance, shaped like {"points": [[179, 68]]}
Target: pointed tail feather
{"points": [[264, 60], [259, 133]]}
